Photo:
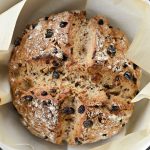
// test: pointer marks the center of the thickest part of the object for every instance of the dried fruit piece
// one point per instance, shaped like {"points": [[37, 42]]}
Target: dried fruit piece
{"points": [[111, 50], [17, 41], [135, 66], [34, 25], [55, 63], [46, 18], [63, 24], [55, 74], [68, 110], [77, 141], [104, 134], [49, 33], [64, 57], [125, 65], [100, 21], [44, 93], [81, 109], [114, 108], [88, 123], [55, 50], [28, 98], [128, 75]]}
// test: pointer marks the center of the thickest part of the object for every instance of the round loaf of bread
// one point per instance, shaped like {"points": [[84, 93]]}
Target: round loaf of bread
{"points": [[70, 78]]}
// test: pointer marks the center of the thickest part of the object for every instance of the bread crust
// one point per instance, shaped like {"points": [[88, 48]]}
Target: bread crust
{"points": [[70, 78]]}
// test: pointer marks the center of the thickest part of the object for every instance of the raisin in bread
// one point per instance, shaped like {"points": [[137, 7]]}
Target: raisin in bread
{"points": [[70, 78]]}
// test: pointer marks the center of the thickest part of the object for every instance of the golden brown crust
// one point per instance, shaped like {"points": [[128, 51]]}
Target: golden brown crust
{"points": [[70, 79]]}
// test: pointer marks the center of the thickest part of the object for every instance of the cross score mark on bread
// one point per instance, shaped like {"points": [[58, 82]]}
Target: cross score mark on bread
{"points": [[70, 79]]}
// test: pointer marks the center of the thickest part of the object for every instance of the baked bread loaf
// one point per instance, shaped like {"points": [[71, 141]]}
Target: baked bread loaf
{"points": [[70, 78]]}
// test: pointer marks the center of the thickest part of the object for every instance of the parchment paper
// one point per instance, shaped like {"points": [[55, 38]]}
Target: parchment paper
{"points": [[125, 14], [135, 141], [142, 53]]}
